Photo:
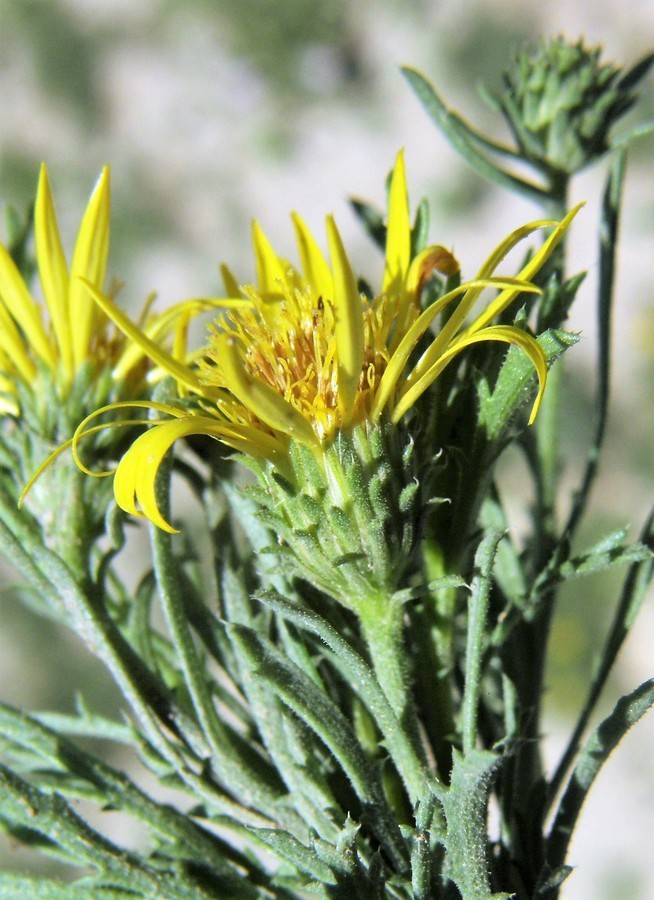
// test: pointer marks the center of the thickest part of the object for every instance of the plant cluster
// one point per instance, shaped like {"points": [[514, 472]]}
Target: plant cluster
{"points": [[335, 656]]}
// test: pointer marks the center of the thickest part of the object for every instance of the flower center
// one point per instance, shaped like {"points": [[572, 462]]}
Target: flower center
{"points": [[289, 344]]}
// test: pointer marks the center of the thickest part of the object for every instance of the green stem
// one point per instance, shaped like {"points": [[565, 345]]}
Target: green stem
{"points": [[382, 627], [609, 225], [476, 639], [434, 635], [633, 595]]}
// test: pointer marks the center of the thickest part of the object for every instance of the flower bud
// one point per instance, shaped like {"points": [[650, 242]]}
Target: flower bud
{"points": [[561, 102]]}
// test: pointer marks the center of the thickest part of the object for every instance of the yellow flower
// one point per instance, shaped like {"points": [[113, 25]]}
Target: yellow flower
{"points": [[67, 336], [307, 355], [54, 339]]}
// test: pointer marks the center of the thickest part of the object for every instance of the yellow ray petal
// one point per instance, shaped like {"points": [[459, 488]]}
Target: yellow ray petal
{"points": [[156, 353], [314, 265], [432, 259], [13, 349], [260, 398], [446, 336], [348, 324], [164, 324], [136, 474], [506, 333], [53, 269], [24, 311], [271, 273], [501, 302], [457, 320], [510, 241], [398, 232], [232, 288], [82, 431], [400, 357], [90, 263], [72, 445]]}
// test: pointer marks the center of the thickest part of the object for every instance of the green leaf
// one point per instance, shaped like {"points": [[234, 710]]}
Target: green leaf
{"points": [[634, 591], [79, 774], [280, 732], [465, 804], [236, 762], [33, 811], [361, 677], [608, 230], [372, 220], [314, 707], [465, 140], [13, 886], [420, 230], [287, 847], [478, 607], [513, 385], [509, 572], [608, 552], [628, 710]]}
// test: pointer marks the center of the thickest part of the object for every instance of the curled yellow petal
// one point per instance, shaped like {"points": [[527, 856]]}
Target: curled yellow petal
{"points": [[135, 487], [400, 357], [82, 431], [435, 258], [528, 271], [447, 334], [508, 334], [156, 353], [165, 324]]}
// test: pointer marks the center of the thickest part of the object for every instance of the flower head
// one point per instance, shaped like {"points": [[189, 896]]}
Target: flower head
{"points": [[61, 339], [302, 355]]}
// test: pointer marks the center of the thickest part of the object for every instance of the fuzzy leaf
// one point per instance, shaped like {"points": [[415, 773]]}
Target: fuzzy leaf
{"points": [[287, 847], [372, 220], [14, 885], [314, 707], [628, 710], [362, 678], [467, 141], [608, 552], [497, 407], [465, 804]]}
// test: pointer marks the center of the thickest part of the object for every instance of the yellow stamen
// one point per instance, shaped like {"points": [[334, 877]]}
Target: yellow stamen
{"points": [[263, 400]]}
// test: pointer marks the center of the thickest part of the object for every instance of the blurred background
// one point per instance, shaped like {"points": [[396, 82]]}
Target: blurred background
{"points": [[212, 113]]}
